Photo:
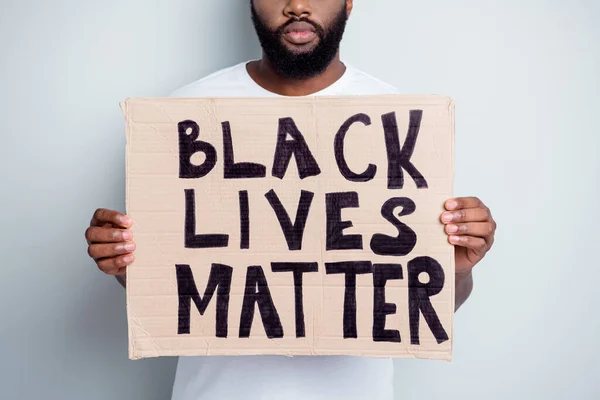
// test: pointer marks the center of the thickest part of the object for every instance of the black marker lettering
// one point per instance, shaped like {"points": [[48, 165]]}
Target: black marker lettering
{"points": [[400, 158], [190, 145], [293, 232], [381, 274], [235, 170], [298, 269], [244, 220], [406, 240], [306, 163], [257, 292], [220, 276], [369, 173], [419, 294], [192, 240], [336, 240], [350, 269]]}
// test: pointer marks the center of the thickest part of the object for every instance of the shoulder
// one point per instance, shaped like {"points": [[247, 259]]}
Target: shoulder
{"points": [[363, 83], [216, 84]]}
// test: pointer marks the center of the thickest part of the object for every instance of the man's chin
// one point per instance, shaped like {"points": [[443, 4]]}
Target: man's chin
{"points": [[299, 49]]}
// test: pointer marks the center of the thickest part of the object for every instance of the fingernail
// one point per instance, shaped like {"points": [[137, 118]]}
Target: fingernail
{"points": [[125, 220], [454, 239], [447, 217], [127, 235], [129, 247], [452, 204], [452, 228], [128, 259]]}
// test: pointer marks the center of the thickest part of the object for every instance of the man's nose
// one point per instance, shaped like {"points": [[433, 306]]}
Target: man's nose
{"points": [[298, 9]]}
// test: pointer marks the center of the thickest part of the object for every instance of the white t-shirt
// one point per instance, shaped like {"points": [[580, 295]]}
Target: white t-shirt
{"points": [[280, 377]]}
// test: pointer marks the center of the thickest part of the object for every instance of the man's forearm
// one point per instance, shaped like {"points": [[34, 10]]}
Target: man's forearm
{"points": [[464, 287]]}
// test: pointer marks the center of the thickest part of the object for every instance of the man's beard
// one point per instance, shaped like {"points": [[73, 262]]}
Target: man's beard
{"points": [[301, 65]]}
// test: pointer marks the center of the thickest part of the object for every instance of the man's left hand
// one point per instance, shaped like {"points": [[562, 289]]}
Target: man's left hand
{"points": [[471, 229]]}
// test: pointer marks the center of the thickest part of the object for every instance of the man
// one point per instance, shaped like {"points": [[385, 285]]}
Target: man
{"points": [[300, 41]]}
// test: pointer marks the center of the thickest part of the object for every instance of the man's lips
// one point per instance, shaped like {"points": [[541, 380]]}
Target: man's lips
{"points": [[299, 33]]}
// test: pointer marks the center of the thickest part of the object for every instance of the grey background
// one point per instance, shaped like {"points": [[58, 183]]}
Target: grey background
{"points": [[524, 75]]}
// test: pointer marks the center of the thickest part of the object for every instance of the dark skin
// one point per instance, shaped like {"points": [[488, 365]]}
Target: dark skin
{"points": [[467, 221], [276, 13]]}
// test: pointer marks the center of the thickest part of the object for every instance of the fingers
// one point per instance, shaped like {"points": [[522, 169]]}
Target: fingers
{"points": [[480, 214], [480, 229], [483, 230], [112, 258], [99, 251], [477, 244], [460, 203], [103, 216], [115, 265], [97, 234], [470, 227], [110, 242]]}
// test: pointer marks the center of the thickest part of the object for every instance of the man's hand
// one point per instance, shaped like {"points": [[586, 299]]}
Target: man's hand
{"points": [[471, 229], [110, 242]]}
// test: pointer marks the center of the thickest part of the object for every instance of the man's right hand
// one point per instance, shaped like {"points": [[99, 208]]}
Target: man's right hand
{"points": [[110, 242]]}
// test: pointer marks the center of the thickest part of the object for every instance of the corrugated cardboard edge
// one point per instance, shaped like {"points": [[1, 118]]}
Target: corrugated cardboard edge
{"points": [[130, 334], [136, 355], [451, 108]]}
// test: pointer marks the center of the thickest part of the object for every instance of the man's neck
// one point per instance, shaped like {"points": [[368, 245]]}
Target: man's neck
{"points": [[265, 75]]}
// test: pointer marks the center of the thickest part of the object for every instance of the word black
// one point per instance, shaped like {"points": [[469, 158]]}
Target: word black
{"points": [[398, 156]]}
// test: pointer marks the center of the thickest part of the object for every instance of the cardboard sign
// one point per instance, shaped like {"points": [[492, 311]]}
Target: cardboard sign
{"points": [[294, 226]]}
